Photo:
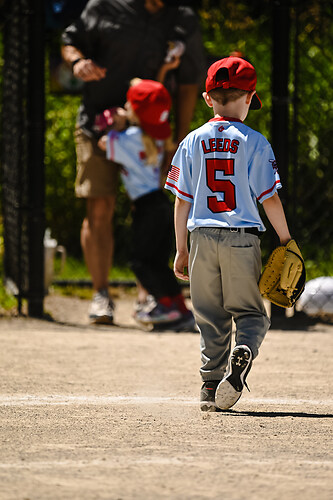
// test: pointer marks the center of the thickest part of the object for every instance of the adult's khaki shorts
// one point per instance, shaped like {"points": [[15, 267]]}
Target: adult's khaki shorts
{"points": [[96, 176]]}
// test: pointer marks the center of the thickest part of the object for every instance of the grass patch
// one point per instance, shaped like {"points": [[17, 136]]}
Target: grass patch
{"points": [[7, 301], [75, 269]]}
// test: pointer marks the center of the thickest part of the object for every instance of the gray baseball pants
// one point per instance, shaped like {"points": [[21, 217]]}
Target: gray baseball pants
{"points": [[224, 269]]}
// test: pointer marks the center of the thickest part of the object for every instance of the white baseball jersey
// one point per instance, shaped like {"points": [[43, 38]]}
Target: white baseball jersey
{"points": [[223, 168], [127, 149]]}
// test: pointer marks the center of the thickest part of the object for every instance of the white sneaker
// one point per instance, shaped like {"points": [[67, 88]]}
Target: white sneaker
{"points": [[231, 387], [146, 306], [101, 308]]}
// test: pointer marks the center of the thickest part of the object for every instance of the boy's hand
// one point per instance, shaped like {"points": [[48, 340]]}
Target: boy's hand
{"points": [[180, 266], [102, 142], [119, 119]]}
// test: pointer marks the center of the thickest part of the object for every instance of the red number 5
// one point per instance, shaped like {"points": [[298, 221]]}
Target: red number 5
{"points": [[225, 165]]}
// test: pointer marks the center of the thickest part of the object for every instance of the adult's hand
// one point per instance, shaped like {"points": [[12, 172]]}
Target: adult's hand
{"points": [[87, 70]]}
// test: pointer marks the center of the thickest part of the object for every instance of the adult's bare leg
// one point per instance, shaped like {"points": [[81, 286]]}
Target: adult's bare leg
{"points": [[97, 239]]}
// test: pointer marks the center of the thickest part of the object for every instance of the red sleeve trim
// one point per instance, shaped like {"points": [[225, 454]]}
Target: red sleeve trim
{"points": [[269, 190], [111, 138], [179, 191]]}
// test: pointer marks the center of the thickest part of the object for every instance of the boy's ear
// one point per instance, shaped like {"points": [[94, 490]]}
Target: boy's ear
{"points": [[207, 99], [249, 96]]}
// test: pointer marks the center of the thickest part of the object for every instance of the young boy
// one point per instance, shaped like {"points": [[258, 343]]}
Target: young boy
{"points": [[139, 146], [218, 174]]}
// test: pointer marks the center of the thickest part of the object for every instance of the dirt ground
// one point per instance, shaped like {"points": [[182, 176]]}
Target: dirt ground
{"points": [[112, 413]]}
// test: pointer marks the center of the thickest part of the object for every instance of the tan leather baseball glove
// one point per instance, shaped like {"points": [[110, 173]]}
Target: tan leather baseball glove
{"points": [[283, 278]]}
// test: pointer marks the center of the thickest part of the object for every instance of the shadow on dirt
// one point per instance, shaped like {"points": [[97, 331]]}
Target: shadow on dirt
{"points": [[275, 414], [300, 321]]}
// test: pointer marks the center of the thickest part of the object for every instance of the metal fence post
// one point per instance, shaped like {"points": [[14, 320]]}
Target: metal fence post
{"points": [[280, 100], [35, 167]]}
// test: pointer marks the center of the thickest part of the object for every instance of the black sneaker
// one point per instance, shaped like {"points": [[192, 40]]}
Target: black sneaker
{"points": [[186, 323], [160, 314], [207, 395], [230, 389]]}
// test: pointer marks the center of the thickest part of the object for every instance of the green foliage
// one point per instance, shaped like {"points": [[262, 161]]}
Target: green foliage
{"points": [[245, 28], [64, 212], [311, 175], [7, 301]]}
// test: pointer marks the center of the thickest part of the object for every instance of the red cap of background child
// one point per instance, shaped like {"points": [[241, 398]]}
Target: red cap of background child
{"points": [[151, 102], [233, 73]]}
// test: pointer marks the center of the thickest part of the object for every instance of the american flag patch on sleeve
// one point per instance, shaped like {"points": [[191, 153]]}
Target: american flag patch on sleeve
{"points": [[174, 173]]}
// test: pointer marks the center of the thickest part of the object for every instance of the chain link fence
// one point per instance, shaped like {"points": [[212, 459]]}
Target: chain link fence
{"points": [[22, 151], [14, 146], [310, 179]]}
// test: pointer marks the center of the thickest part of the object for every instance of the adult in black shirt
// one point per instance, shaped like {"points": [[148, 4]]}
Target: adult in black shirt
{"points": [[112, 42]]}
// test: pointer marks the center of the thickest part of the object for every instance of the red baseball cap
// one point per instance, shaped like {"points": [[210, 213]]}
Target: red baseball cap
{"points": [[151, 102], [233, 73]]}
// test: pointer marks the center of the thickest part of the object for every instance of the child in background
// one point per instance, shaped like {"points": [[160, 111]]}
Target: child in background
{"points": [[139, 148], [219, 173]]}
